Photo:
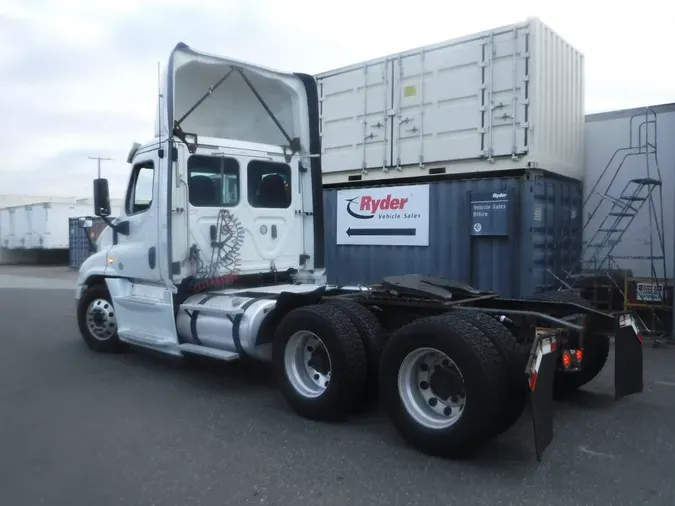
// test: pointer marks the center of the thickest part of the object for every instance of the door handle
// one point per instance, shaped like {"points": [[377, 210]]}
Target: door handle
{"points": [[274, 231]]}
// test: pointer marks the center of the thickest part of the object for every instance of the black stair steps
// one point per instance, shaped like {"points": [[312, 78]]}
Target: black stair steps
{"points": [[646, 181]]}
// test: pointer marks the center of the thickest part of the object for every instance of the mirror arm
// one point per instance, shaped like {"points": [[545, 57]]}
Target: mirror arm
{"points": [[121, 228]]}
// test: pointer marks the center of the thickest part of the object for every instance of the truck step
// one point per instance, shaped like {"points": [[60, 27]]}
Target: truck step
{"points": [[205, 351], [144, 338], [205, 308]]}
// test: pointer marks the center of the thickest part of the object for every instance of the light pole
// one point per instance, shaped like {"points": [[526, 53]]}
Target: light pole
{"points": [[98, 159]]}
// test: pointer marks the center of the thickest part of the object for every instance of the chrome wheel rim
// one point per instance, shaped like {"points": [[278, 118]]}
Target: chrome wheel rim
{"points": [[431, 387], [307, 364], [101, 320]]}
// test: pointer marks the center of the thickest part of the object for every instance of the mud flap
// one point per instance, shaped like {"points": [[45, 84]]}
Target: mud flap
{"points": [[541, 372], [628, 365]]}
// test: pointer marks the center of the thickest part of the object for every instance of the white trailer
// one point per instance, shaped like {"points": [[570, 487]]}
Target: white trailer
{"points": [[503, 99], [18, 226], [219, 253], [5, 227], [49, 225]]}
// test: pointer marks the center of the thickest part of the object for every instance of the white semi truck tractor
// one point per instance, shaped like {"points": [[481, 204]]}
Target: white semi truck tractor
{"points": [[219, 252]]}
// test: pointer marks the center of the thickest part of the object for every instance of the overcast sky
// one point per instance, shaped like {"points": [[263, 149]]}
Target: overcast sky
{"points": [[79, 78]]}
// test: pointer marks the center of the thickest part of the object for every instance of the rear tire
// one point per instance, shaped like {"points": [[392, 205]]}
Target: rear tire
{"points": [[509, 350], [481, 371], [596, 348], [96, 319], [371, 333], [320, 362]]}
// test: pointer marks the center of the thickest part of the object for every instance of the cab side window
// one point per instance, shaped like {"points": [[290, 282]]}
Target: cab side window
{"points": [[269, 184], [139, 194], [213, 181]]}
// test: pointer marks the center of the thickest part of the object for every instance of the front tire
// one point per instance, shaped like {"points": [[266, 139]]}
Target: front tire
{"points": [[97, 322], [320, 362]]}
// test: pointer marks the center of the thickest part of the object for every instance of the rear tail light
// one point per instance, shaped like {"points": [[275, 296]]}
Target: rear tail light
{"points": [[579, 354], [566, 359]]}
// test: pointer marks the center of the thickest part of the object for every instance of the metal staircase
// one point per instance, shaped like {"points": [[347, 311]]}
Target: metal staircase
{"points": [[611, 216], [598, 252]]}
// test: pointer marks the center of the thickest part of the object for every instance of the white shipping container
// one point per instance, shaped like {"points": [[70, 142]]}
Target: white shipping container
{"points": [[50, 223], [22, 200], [503, 99], [42, 226], [5, 228]]}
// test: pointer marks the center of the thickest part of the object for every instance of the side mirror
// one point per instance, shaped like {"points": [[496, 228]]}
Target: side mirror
{"points": [[101, 197]]}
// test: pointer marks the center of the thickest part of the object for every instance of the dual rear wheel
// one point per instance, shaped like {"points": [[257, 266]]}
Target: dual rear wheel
{"points": [[449, 382]]}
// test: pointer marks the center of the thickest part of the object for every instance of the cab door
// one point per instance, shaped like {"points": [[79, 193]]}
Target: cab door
{"points": [[137, 272], [135, 255]]}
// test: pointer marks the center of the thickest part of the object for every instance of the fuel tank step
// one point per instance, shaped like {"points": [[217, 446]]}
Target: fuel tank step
{"points": [[205, 351], [206, 308]]}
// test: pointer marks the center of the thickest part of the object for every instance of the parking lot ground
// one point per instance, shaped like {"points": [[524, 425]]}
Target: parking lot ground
{"points": [[31, 276], [79, 428]]}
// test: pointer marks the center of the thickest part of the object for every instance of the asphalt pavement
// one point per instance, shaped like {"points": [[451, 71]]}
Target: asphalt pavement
{"points": [[77, 428]]}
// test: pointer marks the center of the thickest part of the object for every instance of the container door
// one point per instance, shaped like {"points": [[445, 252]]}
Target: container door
{"points": [[461, 101], [28, 237], [506, 86], [357, 117]]}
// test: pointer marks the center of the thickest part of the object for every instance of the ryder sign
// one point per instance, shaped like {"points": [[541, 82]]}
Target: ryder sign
{"points": [[388, 216]]}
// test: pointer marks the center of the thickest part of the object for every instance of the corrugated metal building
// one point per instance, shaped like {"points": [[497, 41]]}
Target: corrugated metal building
{"points": [[611, 131], [540, 233]]}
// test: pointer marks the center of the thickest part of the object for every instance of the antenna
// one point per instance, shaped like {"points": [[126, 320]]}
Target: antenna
{"points": [[99, 158], [159, 103]]}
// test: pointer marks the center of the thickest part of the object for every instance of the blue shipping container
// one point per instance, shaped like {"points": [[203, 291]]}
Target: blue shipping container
{"points": [[82, 240], [514, 254]]}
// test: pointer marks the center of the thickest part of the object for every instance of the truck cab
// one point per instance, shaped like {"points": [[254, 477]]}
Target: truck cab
{"points": [[226, 197]]}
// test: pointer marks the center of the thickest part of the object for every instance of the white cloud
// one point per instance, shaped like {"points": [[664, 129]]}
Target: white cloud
{"points": [[79, 78]]}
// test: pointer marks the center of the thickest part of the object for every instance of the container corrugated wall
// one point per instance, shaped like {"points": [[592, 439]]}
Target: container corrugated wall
{"points": [[510, 98], [544, 234], [557, 110], [82, 240]]}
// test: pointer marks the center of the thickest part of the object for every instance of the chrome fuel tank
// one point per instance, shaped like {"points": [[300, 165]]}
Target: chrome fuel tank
{"points": [[226, 321]]}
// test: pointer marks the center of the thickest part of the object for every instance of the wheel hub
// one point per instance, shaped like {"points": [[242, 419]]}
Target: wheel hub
{"points": [[307, 364], [431, 388], [446, 383], [101, 320]]}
